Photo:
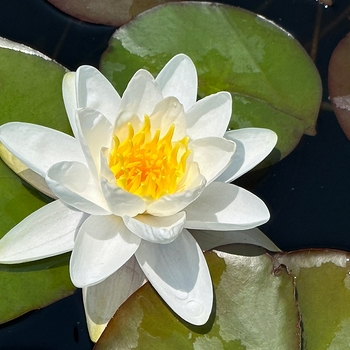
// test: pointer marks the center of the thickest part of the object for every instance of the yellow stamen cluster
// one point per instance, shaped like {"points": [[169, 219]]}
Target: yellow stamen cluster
{"points": [[146, 165]]}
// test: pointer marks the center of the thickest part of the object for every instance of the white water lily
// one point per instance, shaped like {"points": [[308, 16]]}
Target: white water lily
{"points": [[139, 172]]}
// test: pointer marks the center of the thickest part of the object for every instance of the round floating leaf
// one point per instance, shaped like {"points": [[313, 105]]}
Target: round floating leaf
{"points": [[273, 81], [30, 90], [338, 83], [254, 309], [323, 289], [109, 12]]}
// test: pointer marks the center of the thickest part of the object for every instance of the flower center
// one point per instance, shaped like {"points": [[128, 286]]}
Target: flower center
{"points": [[146, 165]]}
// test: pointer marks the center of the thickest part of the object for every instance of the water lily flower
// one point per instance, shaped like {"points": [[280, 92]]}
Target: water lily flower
{"points": [[140, 172]]}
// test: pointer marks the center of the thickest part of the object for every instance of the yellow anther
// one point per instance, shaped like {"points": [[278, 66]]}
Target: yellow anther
{"points": [[147, 165]]}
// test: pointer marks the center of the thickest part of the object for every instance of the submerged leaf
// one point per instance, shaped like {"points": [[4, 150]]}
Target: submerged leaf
{"points": [[273, 82], [338, 83]]}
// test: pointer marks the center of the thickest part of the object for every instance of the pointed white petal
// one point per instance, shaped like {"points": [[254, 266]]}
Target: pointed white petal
{"points": [[178, 78], [172, 204], [166, 113], [102, 300], [209, 116], [226, 207], [140, 96], [47, 232], [211, 239], [94, 132], [252, 146], [24, 172], [213, 155], [70, 98], [39, 147], [102, 246], [73, 184], [156, 229], [121, 202], [96, 92], [179, 273]]}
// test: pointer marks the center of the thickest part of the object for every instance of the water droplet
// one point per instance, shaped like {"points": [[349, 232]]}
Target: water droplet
{"points": [[194, 308], [181, 294]]}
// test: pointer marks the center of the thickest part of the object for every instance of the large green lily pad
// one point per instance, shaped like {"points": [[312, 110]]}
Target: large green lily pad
{"points": [[30, 91], [273, 81], [263, 300], [255, 309], [323, 289]]}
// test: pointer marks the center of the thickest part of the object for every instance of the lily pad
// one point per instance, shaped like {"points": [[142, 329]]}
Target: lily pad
{"points": [[255, 309], [256, 305], [30, 90], [273, 81], [109, 12], [323, 288], [338, 83]]}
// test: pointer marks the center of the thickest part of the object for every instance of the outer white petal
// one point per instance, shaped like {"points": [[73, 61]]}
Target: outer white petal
{"points": [[178, 78], [102, 300], [48, 231], [211, 239], [156, 229], [166, 113], [24, 172], [73, 184], [226, 207], [172, 204], [94, 132], [121, 202], [213, 155], [252, 146], [102, 246], [140, 96], [95, 91], [39, 147], [209, 116], [70, 98], [179, 273]]}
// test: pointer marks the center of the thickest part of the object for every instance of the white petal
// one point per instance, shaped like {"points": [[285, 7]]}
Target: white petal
{"points": [[226, 207], [156, 229], [94, 132], [213, 155], [72, 183], [140, 96], [173, 203], [24, 172], [121, 202], [211, 239], [39, 147], [96, 92], [209, 116], [179, 273], [70, 98], [102, 300], [178, 78], [102, 246], [47, 232], [166, 113], [252, 146]]}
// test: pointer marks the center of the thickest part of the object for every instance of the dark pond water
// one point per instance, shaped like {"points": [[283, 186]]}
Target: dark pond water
{"points": [[308, 192]]}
